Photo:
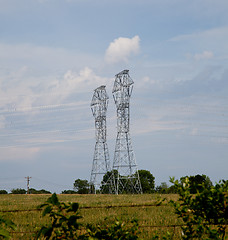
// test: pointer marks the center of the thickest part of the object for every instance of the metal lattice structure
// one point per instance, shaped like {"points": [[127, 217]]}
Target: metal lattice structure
{"points": [[127, 178], [101, 163]]}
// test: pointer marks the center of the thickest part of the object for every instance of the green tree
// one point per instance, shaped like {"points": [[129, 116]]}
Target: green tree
{"points": [[109, 182], [81, 186], [197, 182], [68, 192], [42, 191], [147, 181], [163, 188], [3, 192], [18, 191]]}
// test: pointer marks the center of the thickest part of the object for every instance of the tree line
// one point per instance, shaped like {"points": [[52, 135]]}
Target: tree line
{"points": [[23, 191], [147, 182], [82, 186]]}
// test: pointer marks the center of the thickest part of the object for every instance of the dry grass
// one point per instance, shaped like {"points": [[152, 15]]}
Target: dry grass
{"points": [[30, 221]]}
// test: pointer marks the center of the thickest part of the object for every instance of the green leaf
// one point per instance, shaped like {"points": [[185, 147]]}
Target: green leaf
{"points": [[42, 205], [47, 210], [53, 199], [75, 207], [47, 232], [4, 233]]}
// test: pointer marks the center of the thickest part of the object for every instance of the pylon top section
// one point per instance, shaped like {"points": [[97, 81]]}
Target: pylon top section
{"points": [[122, 72], [99, 95], [122, 89], [123, 80], [99, 102]]}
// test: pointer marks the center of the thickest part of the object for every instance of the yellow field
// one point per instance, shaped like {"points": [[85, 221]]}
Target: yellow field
{"points": [[94, 209]]}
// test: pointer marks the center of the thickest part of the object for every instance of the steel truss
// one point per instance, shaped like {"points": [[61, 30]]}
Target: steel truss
{"points": [[124, 163], [101, 163]]}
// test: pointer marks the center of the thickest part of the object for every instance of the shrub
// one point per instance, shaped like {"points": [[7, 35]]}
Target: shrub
{"points": [[115, 231], [63, 219], [205, 213]]}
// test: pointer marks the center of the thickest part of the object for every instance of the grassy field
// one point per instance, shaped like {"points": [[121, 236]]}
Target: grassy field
{"points": [[93, 210]]}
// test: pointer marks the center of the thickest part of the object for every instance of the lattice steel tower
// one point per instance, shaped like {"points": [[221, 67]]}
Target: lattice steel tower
{"points": [[127, 180], [101, 162]]}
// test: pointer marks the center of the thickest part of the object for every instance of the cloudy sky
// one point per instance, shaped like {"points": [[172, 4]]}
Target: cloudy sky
{"points": [[54, 53]]}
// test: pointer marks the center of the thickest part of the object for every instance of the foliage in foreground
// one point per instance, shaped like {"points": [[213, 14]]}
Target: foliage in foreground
{"points": [[64, 224], [63, 219], [115, 231], [5, 226], [197, 182], [205, 214]]}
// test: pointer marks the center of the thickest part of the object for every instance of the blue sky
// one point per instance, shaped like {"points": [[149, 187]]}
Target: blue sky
{"points": [[53, 54]]}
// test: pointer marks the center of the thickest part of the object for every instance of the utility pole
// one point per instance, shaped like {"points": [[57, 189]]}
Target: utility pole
{"points": [[28, 180]]}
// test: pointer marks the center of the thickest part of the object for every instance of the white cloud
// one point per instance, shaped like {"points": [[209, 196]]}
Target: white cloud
{"points": [[143, 126], [194, 131], [33, 75], [121, 48], [2, 122], [18, 153], [36, 110], [84, 81], [214, 39], [21, 90], [205, 55], [218, 33], [43, 60]]}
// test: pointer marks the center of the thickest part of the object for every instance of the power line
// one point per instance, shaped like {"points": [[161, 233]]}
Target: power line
{"points": [[52, 183], [57, 107], [57, 131]]}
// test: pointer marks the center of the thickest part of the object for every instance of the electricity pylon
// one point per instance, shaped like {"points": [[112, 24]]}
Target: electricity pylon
{"points": [[101, 163], [126, 177]]}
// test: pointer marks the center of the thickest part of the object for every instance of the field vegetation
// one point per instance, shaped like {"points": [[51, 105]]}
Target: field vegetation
{"points": [[94, 209], [194, 212]]}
